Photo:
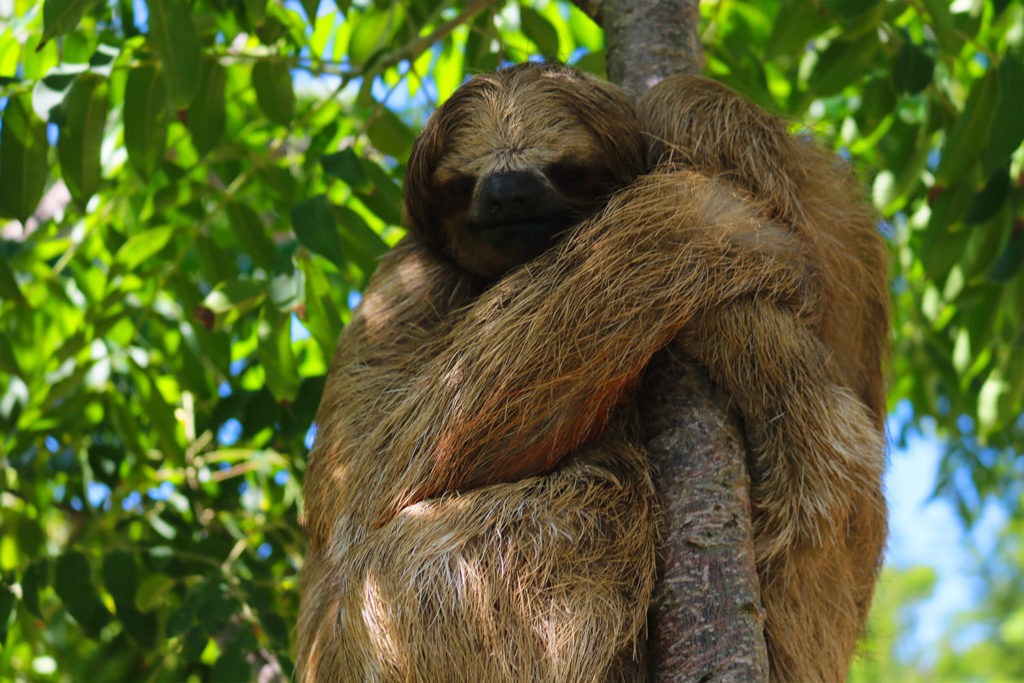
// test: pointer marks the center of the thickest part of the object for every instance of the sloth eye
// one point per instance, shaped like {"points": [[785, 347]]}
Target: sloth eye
{"points": [[456, 193], [569, 177], [459, 188]]}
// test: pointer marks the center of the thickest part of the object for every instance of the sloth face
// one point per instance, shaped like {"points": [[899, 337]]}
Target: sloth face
{"points": [[514, 160]]}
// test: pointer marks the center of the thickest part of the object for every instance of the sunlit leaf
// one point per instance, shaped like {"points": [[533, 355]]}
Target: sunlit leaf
{"points": [[371, 30], [143, 246], [62, 16], [240, 294], [151, 591]]}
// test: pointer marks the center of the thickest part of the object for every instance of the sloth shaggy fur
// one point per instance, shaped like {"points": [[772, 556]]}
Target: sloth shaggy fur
{"points": [[478, 504]]}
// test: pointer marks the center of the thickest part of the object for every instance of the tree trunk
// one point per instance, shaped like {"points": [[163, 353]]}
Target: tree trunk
{"points": [[706, 621]]}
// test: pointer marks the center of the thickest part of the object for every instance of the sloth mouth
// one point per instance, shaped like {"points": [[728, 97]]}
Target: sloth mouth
{"points": [[536, 232]]}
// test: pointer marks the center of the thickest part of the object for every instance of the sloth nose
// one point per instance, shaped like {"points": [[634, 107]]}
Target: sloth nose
{"points": [[510, 197]]}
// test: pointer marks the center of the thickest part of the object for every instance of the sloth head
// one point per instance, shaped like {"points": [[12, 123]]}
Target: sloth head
{"points": [[516, 158]]}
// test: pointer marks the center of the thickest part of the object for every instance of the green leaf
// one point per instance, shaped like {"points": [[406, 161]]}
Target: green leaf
{"points": [[846, 9], [315, 228], [285, 287], [151, 591], [174, 39], [359, 239], [593, 63], [206, 115], [140, 627], [241, 293], [23, 159], [371, 31], [62, 16], [35, 578], [963, 146], [231, 666], [538, 29], [52, 89], [795, 24], [390, 135], [256, 10], [251, 234], [311, 7], [273, 84], [877, 101], [913, 69], [121, 577], [143, 246], [942, 24], [145, 118], [986, 203], [585, 31], [856, 17], [841, 64], [194, 643], [1009, 262], [346, 166], [276, 355], [81, 136], [6, 608], [1008, 126], [322, 316], [82, 600], [180, 619]]}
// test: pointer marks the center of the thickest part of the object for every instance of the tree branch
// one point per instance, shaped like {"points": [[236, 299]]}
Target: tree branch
{"points": [[706, 621], [645, 41]]}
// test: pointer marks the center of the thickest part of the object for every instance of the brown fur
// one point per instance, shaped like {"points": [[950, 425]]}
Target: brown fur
{"points": [[478, 504]]}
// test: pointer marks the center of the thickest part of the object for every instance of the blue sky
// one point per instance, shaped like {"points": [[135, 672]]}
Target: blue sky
{"points": [[927, 531]]}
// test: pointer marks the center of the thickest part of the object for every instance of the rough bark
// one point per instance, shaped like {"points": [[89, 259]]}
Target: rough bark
{"points": [[647, 40], [706, 620]]}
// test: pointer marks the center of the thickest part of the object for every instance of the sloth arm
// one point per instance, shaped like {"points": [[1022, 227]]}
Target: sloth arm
{"points": [[432, 390], [535, 365]]}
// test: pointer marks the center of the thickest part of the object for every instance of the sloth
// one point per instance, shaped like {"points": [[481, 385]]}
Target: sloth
{"points": [[478, 503]]}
